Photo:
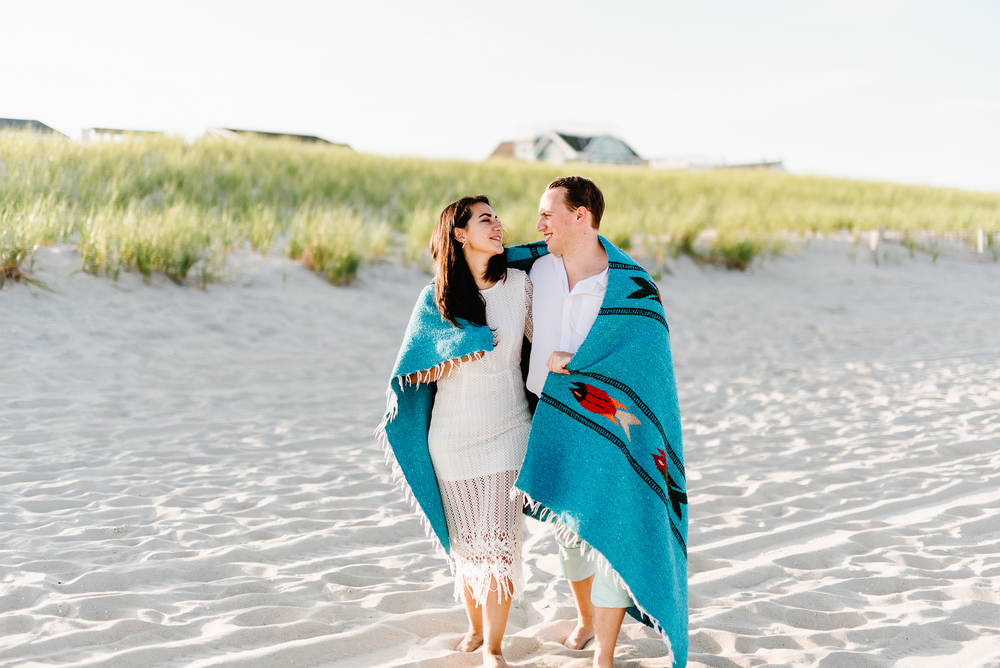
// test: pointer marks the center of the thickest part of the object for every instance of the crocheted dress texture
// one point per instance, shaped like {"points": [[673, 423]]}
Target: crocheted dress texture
{"points": [[477, 439]]}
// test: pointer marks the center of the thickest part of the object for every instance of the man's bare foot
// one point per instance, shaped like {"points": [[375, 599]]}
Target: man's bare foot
{"points": [[493, 660], [471, 642], [579, 638]]}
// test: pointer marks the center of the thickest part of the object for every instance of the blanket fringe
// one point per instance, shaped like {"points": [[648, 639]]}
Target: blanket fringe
{"points": [[560, 529], [391, 410], [445, 368], [591, 553]]}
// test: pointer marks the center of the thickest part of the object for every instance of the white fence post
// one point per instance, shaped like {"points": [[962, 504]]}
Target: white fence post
{"points": [[874, 237]]}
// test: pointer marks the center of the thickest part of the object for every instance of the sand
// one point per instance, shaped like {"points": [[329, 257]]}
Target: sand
{"points": [[188, 478]]}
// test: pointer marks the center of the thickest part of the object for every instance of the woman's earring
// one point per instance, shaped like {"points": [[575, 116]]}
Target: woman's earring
{"points": [[464, 243]]}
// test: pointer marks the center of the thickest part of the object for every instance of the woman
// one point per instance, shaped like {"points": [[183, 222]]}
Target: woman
{"points": [[465, 337]]}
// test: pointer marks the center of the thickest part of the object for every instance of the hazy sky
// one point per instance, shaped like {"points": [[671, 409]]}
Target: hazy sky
{"points": [[896, 91]]}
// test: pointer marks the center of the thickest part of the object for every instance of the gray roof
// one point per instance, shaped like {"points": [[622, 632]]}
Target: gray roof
{"points": [[578, 143], [20, 125], [594, 145], [312, 139]]}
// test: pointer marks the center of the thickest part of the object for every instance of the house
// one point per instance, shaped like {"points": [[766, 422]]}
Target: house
{"points": [[240, 135], [763, 165], [559, 148], [15, 126], [686, 162], [117, 136], [700, 163], [505, 151]]}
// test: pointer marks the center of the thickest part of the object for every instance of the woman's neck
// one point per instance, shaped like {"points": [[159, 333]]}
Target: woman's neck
{"points": [[478, 262]]}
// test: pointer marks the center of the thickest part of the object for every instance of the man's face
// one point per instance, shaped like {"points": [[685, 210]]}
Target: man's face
{"points": [[557, 224]]}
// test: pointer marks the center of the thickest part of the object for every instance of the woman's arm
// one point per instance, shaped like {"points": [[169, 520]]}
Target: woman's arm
{"points": [[433, 374]]}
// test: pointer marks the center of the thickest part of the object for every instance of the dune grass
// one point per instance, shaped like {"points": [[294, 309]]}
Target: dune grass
{"points": [[334, 241], [164, 206], [12, 258]]}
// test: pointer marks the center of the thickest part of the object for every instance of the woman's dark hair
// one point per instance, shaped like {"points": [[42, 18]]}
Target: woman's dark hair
{"points": [[455, 291]]}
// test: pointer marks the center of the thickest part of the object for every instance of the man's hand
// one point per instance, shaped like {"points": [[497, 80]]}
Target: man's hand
{"points": [[558, 361]]}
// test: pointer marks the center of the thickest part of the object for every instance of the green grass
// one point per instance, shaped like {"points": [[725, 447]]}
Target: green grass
{"points": [[333, 242], [12, 258], [165, 206]]}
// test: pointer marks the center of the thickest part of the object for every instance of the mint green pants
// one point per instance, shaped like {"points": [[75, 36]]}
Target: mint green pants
{"points": [[605, 593]]}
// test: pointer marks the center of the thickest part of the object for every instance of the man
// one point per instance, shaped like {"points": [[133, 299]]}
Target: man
{"points": [[597, 461], [569, 286]]}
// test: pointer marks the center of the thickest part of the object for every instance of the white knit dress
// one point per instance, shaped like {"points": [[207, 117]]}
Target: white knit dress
{"points": [[477, 439]]}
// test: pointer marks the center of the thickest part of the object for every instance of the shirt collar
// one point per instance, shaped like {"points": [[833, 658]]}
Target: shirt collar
{"points": [[595, 284]]}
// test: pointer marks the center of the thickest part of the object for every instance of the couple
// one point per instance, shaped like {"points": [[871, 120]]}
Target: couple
{"points": [[600, 458]]}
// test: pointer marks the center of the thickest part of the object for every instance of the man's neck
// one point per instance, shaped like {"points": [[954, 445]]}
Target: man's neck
{"points": [[583, 260]]}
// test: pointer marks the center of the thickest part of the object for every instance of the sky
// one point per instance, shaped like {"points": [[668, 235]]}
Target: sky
{"points": [[897, 91]]}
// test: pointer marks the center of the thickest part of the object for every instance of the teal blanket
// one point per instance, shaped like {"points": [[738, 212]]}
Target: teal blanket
{"points": [[604, 458], [430, 342]]}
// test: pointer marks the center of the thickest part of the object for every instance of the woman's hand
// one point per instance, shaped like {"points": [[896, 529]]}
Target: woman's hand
{"points": [[558, 361]]}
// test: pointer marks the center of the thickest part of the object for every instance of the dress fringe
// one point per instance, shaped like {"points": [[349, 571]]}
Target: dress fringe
{"points": [[509, 585]]}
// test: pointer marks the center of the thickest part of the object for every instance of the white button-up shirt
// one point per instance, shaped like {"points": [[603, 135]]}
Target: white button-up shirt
{"points": [[562, 319]]}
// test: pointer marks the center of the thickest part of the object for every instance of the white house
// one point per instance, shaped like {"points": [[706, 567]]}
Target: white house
{"points": [[117, 136], [700, 163], [560, 148]]}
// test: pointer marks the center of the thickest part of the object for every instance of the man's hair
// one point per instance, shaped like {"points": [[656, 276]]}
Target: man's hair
{"points": [[581, 191]]}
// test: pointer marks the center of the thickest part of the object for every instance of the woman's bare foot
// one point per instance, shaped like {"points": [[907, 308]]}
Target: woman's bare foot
{"points": [[493, 660], [579, 638], [601, 664], [471, 642]]}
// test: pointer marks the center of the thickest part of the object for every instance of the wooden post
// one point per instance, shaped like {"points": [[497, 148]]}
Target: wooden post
{"points": [[980, 240]]}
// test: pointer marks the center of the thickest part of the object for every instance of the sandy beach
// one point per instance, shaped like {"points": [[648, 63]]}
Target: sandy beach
{"points": [[189, 478]]}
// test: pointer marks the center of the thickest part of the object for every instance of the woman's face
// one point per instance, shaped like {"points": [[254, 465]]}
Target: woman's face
{"points": [[483, 233]]}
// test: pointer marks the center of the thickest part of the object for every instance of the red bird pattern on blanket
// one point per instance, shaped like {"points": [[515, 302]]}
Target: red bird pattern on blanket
{"points": [[597, 401], [677, 495]]}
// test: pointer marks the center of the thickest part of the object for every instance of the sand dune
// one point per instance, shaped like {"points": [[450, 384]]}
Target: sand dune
{"points": [[189, 478]]}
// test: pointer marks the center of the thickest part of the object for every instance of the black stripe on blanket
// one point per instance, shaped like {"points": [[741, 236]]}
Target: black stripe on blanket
{"points": [[626, 267], [648, 479], [645, 409], [635, 311]]}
